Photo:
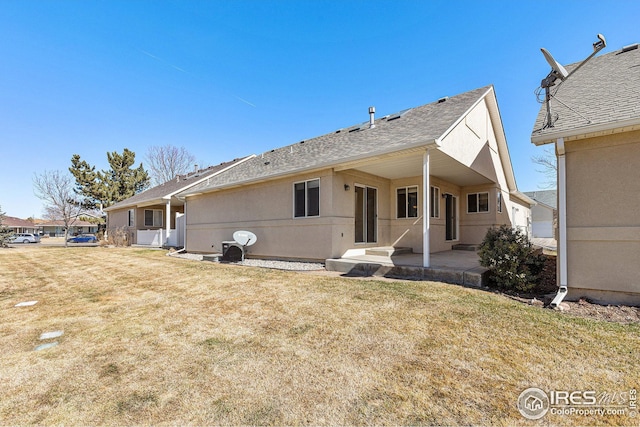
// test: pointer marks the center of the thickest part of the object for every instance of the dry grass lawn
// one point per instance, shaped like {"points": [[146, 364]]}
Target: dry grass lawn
{"points": [[150, 339]]}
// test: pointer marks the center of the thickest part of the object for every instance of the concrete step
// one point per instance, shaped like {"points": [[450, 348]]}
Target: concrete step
{"points": [[387, 251], [474, 277], [465, 247]]}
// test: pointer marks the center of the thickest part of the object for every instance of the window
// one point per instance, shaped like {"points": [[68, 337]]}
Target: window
{"points": [[306, 198], [131, 220], [435, 203], [499, 202], [407, 202], [153, 218], [477, 202]]}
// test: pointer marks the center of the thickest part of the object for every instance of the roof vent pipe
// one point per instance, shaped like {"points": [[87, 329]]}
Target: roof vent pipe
{"points": [[372, 113]]}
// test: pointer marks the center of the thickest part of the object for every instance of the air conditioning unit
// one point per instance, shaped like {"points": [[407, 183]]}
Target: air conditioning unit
{"points": [[232, 251]]}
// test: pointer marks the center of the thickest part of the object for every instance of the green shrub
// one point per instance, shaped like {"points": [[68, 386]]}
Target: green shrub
{"points": [[512, 260]]}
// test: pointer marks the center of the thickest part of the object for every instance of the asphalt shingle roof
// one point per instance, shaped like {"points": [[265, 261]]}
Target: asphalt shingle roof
{"points": [[174, 186], [547, 197], [412, 127], [606, 90]]}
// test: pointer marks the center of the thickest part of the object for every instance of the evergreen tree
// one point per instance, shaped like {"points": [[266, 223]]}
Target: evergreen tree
{"points": [[89, 184], [121, 180], [5, 233], [104, 188]]}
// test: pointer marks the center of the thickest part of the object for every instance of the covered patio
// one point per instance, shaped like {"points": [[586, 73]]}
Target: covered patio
{"points": [[461, 267]]}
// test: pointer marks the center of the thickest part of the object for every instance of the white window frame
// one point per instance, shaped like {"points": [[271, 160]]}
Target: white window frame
{"points": [[434, 206], [406, 189], [499, 201], [154, 218], [306, 198], [377, 209], [478, 211], [131, 218]]}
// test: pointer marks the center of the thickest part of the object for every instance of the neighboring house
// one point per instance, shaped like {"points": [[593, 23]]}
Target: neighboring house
{"points": [[596, 133], [56, 228], [369, 185], [154, 217], [543, 213], [19, 225]]}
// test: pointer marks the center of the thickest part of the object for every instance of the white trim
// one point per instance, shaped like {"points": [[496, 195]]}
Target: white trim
{"points": [[576, 133], [417, 187], [464, 115], [131, 217], [152, 218], [306, 204], [436, 197], [365, 186], [456, 216], [478, 211]]}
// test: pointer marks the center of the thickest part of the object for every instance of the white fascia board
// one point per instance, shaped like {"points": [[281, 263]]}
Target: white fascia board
{"points": [[503, 147], [579, 133], [465, 114], [168, 196], [430, 144], [523, 198]]}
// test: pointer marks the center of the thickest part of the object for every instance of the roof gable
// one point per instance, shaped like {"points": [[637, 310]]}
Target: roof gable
{"points": [[603, 95]]}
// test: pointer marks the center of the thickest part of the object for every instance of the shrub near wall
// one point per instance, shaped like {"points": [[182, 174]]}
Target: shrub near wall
{"points": [[511, 258]]}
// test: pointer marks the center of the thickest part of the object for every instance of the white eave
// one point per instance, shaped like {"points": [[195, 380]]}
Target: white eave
{"points": [[588, 131]]}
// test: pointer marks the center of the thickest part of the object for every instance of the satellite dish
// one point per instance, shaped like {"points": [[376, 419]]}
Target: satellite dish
{"points": [[559, 70], [245, 238]]}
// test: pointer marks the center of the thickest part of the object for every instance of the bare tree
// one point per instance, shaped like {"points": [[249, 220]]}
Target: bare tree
{"points": [[165, 162], [55, 189], [547, 165]]}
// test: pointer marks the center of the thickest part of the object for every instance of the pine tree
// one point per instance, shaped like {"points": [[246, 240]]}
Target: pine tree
{"points": [[121, 180], [89, 184], [5, 233], [104, 188]]}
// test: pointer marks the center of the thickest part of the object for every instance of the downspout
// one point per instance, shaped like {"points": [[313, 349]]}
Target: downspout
{"points": [[562, 223]]}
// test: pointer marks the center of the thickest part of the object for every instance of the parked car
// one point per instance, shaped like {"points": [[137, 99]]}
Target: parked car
{"points": [[25, 238], [82, 238]]}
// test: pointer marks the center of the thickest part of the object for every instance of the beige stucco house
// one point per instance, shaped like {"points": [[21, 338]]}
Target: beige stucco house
{"points": [[595, 128], [426, 178], [155, 217]]}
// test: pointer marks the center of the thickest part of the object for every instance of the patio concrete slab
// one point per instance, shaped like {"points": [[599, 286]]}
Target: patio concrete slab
{"points": [[457, 267]]}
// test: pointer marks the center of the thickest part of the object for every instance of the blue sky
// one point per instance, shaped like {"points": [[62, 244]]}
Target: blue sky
{"points": [[229, 78]]}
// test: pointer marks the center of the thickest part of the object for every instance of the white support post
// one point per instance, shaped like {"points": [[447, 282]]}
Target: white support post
{"points": [[168, 222], [426, 259]]}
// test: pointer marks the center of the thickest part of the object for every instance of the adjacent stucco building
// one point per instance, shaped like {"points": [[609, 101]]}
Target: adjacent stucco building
{"points": [[595, 127], [155, 217]]}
